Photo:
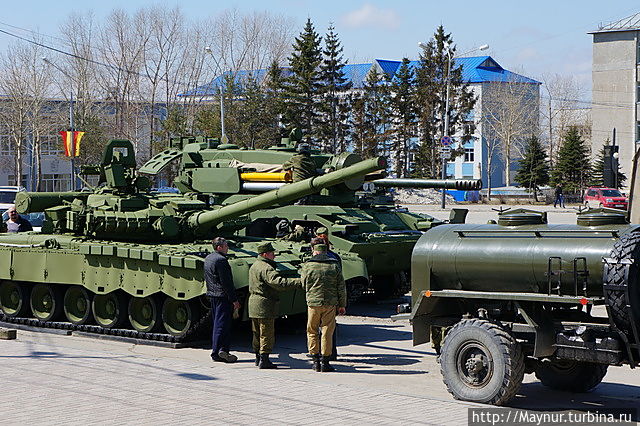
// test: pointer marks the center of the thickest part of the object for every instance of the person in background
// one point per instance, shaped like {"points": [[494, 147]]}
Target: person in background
{"points": [[222, 293], [265, 282], [559, 199], [17, 223]]}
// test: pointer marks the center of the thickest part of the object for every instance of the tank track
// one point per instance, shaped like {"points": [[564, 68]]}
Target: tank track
{"points": [[117, 332]]}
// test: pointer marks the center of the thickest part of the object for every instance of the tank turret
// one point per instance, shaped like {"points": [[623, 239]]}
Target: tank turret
{"points": [[361, 219], [123, 207]]}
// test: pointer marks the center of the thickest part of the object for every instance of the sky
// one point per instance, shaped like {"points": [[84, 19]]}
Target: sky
{"points": [[532, 38]]}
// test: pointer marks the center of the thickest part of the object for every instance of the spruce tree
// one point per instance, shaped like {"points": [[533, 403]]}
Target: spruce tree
{"points": [[597, 169], [274, 88], [334, 130], [431, 94], [404, 117], [534, 167], [376, 90], [572, 169], [304, 88]]}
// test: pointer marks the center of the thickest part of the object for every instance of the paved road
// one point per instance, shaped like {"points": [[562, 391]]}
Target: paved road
{"points": [[480, 213], [380, 379]]}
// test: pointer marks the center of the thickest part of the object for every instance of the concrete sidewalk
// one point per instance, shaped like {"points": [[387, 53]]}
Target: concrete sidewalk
{"points": [[47, 381]]}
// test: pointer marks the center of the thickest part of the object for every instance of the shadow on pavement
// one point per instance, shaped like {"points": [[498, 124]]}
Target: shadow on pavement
{"points": [[535, 396], [195, 376]]}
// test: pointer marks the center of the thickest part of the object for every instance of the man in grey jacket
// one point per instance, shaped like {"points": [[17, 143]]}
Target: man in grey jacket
{"points": [[222, 293]]}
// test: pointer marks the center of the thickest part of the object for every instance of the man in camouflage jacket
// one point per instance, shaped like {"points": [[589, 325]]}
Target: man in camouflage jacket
{"points": [[326, 294], [265, 282], [300, 164]]}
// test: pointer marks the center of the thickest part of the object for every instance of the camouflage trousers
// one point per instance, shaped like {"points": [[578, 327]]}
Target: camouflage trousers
{"points": [[264, 335], [321, 319]]}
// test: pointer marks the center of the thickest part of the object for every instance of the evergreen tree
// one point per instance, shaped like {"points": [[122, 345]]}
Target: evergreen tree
{"points": [[572, 169], [534, 167], [334, 129], [304, 86], [431, 94], [274, 88], [404, 117], [376, 90], [597, 170], [255, 128], [370, 116], [206, 121]]}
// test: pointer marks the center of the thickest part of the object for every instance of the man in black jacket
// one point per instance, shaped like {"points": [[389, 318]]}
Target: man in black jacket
{"points": [[222, 293]]}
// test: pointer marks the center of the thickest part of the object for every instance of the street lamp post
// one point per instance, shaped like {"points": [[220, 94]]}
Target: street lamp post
{"points": [[224, 137], [446, 105], [74, 183]]}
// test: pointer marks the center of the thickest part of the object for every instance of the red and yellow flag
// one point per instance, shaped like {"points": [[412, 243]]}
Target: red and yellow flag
{"points": [[71, 142]]}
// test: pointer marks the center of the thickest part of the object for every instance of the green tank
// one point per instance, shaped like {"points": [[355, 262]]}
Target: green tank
{"points": [[362, 220], [121, 257], [520, 295]]}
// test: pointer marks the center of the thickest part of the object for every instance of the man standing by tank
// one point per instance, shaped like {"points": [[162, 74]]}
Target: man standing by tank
{"points": [[222, 293], [265, 282], [300, 164], [17, 223], [326, 295]]}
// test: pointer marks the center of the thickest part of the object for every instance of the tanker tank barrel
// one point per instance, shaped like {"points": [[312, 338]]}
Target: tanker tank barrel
{"points": [[460, 184], [286, 193], [31, 202]]}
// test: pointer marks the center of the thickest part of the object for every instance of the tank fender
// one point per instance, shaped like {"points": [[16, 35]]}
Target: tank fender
{"points": [[535, 315]]}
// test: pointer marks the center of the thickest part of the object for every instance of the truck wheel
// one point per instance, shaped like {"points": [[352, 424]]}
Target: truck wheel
{"points": [[572, 376], [627, 247], [481, 362]]}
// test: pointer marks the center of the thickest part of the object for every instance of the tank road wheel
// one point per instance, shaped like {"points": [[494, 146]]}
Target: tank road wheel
{"points": [[46, 302], [14, 299], [109, 310], [481, 362], [178, 316], [572, 376], [144, 313], [77, 305]]}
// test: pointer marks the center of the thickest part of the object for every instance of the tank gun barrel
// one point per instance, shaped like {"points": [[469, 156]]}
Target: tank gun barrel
{"points": [[287, 193], [30, 202], [461, 184]]}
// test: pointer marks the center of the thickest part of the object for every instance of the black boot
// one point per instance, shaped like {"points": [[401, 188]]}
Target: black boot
{"points": [[257, 359], [326, 367], [316, 363], [265, 363]]}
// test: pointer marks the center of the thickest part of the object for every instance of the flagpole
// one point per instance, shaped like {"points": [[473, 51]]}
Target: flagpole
{"points": [[73, 153]]}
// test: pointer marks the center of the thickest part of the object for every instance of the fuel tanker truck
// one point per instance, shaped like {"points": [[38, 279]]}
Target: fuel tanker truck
{"points": [[519, 295]]}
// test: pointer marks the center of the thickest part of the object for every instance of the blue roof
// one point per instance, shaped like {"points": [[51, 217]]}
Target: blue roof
{"points": [[475, 69], [389, 67]]}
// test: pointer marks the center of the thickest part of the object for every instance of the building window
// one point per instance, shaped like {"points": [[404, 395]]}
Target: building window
{"points": [[6, 146], [638, 131], [12, 180], [51, 145], [56, 182], [469, 155]]}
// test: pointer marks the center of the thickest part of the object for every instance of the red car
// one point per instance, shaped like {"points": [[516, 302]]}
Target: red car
{"points": [[605, 197]]}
